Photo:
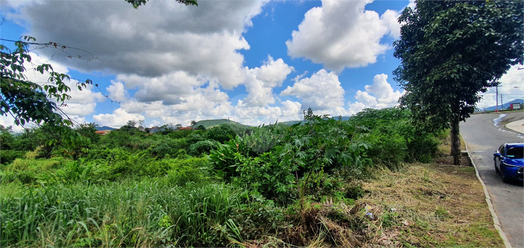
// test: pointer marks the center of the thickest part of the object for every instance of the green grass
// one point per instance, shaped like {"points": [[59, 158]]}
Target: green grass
{"points": [[147, 213]]}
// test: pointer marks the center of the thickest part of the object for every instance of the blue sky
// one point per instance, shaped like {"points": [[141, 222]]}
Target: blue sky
{"points": [[253, 61]]}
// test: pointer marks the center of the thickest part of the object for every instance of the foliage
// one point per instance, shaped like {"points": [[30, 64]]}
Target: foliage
{"points": [[88, 130], [6, 138], [452, 50], [129, 188], [221, 133], [8, 156], [27, 101], [216, 122], [393, 137], [120, 214], [202, 147]]}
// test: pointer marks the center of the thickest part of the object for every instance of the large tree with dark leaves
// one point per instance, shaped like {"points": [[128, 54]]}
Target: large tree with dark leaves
{"points": [[450, 51]]}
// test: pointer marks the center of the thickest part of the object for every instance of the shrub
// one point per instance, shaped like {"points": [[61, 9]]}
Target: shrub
{"points": [[28, 171], [179, 134], [423, 148], [8, 156], [168, 147], [221, 133], [202, 147]]}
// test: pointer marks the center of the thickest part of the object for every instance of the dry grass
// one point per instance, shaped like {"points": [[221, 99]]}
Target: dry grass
{"points": [[436, 205], [422, 205]]}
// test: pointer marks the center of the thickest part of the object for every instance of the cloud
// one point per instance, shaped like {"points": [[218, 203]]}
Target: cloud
{"points": [[260, 82], [82, 102], [117, 91], [510, 88], [322, 91], [288, 111], [168, 88], [378, 95], [273, 72], [8, 120], [118, 118], [342, 34], [153, 41]]}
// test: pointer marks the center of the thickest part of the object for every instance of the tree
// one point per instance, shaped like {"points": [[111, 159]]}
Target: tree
{"points": [[137, 3], [452, 50], [193, 123], [27, 101]]}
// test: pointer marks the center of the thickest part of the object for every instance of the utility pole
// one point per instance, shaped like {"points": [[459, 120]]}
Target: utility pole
{"points": [[501, 103], [497, 97]]}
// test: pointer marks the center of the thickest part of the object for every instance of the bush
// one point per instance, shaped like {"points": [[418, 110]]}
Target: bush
{"points": [[179, 134], [28, 171], [221, 133], [202, 147], [168, 147], [423, 148], [8, 156]]}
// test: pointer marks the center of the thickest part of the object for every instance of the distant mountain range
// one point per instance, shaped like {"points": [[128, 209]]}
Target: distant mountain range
{"points": [[218, 122], [506, 105], [104, 128]]}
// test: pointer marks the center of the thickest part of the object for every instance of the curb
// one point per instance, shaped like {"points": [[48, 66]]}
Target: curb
{"points": [[496, 222]]}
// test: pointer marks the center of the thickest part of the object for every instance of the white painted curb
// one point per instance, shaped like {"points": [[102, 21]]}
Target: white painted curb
{"points": [[496, 222]]}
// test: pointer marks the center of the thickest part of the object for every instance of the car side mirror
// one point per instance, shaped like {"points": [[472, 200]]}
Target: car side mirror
{"points": [[497, 155]]}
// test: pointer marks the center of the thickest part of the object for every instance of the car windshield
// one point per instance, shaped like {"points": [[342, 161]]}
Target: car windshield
{"points": [[515, 152]]}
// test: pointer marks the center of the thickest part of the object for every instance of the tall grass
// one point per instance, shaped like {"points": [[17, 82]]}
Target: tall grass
{"points": [[146, 213]]}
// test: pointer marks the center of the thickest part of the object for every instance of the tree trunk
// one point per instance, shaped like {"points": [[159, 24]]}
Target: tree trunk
{"points": [[455, 140]]}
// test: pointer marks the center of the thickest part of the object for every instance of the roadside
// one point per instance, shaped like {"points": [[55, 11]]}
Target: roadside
{"points": [[504, 200], [517, 126], [513, 121]]}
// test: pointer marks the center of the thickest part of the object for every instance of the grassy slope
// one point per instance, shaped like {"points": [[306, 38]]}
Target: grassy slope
{"points": [[217, 122]]}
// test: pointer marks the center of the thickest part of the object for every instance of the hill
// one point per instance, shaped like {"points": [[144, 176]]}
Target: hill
{"points": [[504, 106], [216, 122], [289, 123], [104, 128]]}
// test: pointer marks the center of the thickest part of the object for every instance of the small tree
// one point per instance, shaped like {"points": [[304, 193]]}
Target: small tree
{"points": [[452, 50], [27, 101]]}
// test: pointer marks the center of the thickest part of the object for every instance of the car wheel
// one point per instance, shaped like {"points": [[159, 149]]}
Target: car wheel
{"points": [[504, 178], [495, 164]]}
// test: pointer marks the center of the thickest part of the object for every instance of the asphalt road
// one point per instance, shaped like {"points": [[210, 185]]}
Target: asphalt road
{"points": [[483, 138]]}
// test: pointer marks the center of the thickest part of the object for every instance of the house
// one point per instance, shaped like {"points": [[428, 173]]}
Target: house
{"points": [[103, 132], [185, 128]]}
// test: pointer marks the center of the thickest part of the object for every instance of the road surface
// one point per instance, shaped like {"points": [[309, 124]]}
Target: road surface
{"points": [[483, 138]]}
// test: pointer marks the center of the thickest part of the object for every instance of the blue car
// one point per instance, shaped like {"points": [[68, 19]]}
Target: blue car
{"points": [[509, 161]]}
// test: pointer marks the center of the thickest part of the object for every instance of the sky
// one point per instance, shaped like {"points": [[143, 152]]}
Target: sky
{"points": [[252, 61]]}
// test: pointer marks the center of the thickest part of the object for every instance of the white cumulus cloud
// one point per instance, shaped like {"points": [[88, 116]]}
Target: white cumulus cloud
{"points": [[118, 118], [322, 91], [378, 95], [342, 34]]}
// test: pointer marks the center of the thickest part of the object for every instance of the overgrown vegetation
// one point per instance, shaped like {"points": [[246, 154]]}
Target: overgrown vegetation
{"points": [[306, 184]]}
